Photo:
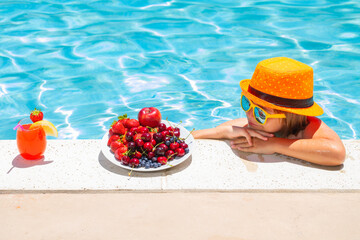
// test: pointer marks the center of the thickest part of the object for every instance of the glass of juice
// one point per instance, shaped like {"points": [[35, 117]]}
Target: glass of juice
{"points": [[31, 142]]}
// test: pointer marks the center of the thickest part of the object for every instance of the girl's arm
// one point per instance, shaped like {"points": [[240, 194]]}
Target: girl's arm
{"points": [[219, 132], [231, 130], [320, 151], [320, 145]]}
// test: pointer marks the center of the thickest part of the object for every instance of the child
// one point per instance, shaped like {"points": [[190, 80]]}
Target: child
{"points": [[280, 111]]}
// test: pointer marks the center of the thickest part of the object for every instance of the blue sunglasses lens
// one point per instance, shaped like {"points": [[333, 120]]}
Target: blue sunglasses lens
{"points": [[260, 116], [245, 103]]}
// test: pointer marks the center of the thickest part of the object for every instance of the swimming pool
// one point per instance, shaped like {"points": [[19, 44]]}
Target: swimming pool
{"points": [[86, 62]]}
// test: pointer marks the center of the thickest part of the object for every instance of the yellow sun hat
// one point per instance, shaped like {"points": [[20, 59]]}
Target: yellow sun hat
{"points": [[282, 83]]}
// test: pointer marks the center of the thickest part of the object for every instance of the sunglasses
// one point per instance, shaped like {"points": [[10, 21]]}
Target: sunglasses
{"points": [[260, 114]]}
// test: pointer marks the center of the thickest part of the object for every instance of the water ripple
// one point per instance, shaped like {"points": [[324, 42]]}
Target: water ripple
{"points": [[86, 62]]}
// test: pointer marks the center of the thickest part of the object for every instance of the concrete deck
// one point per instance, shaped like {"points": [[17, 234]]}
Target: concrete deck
{"points": [[80, 165], [76, 193]]}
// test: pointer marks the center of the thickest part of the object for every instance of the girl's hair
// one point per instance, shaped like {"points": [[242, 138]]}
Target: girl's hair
{"points": [[293, 124]]}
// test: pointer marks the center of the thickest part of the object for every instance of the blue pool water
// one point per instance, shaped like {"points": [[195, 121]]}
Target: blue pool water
{"points": [[85, 62]]}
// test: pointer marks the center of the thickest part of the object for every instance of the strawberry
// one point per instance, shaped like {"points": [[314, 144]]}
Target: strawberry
{"points": [[113, 138], [115, 145], [118, 128], [36, 115], [123, 149], [153, 130], [137, 136], [111, 132], [118, 154], [123, 119], [123, 140], [130, 123]]}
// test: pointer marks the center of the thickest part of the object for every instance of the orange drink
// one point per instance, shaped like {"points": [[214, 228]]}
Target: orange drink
{"points": [[31, 142]]}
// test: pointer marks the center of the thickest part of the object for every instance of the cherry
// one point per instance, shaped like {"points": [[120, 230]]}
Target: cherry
{"points": [[134, 162], [148, 146], [183, 145], [176, 133], [169, 153], [153, 142], [146, 137], [131, 145], [129, 136], [170, 129], [162, 127], [133, 130], [165, 133], [162, 160], [174, 146], [157, 137], [125, 160], [143, 130], [138, 155], [164, 146], [160, 151], [177, 129], [167, 138], [180, 152], [139, 142], [151, 155]]}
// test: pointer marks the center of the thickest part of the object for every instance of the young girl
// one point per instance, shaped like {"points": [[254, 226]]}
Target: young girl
{"points": [[280, 111]]}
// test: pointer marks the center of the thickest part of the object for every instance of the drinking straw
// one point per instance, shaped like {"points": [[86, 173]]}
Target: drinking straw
{"points": [[19, 125]]}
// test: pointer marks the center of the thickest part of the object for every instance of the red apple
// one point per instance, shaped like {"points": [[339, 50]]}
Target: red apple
{"points": [[149, 117]]}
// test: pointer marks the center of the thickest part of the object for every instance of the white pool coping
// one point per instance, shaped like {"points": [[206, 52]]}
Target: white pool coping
{"points": [[79, 165]]}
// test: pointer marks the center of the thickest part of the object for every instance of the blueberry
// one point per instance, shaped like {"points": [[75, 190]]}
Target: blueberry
{"points": [[159, 164], [154, 159], [186, 150], [171, 139], [167, 143], [146, 159], [151, 165], [155, 165], [147, 165], [178, 141]]}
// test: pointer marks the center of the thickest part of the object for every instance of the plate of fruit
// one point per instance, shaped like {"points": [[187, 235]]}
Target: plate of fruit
{"points": [[148, 143]]}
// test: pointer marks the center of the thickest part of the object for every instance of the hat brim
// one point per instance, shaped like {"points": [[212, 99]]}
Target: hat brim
{"points": [[314, 110]]}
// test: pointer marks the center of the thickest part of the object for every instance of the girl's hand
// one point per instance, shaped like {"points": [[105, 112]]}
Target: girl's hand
{"points": [[235, 132], [258, 146]]}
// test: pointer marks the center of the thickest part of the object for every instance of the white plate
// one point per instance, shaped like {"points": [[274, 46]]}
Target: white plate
{"points": [[183, 134]]}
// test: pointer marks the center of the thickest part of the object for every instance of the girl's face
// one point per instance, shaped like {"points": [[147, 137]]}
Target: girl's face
{"points": [[272, 125]]}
